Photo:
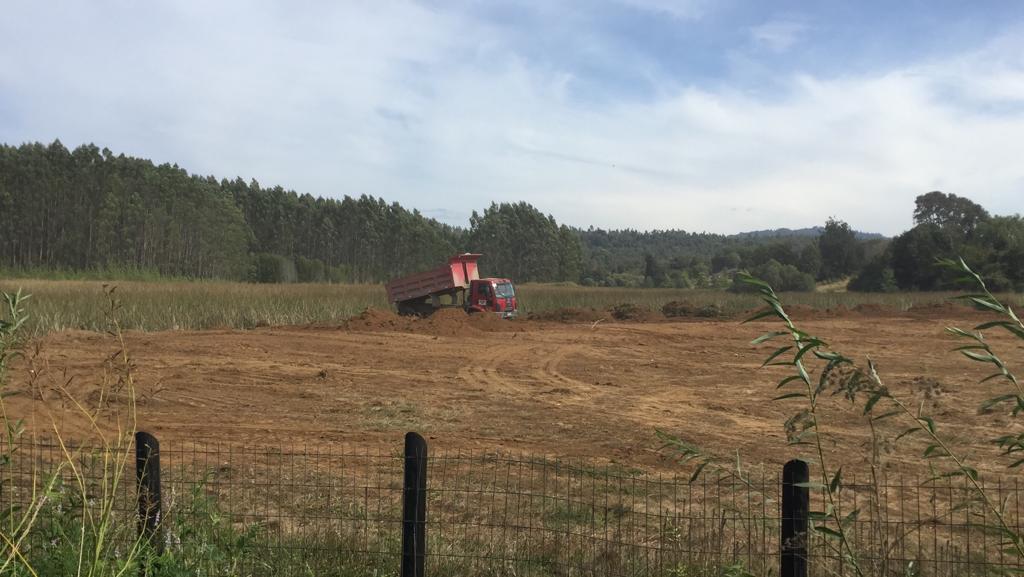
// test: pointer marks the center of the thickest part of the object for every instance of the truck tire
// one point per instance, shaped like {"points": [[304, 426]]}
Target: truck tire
{"points": [[424, 310], [415, 308]]}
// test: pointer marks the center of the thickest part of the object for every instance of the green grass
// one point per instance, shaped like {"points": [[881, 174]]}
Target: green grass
{"points": [[541, 297], [162, 305], [213, 526]]}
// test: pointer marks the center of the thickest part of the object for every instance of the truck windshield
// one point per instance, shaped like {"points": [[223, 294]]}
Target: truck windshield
{"points": [[504, 290]]}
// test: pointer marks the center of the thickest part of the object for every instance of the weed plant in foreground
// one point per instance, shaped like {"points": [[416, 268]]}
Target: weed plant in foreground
{"points": [[815, 371], [68, 525]]}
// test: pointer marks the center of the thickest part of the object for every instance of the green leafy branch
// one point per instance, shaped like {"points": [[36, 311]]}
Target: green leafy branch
{"points": [[11, 342], [979, 350], [804, 428], [11, 322]]}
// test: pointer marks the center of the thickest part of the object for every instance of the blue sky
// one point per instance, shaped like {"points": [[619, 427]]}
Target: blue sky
{"points": [[708, 116]]}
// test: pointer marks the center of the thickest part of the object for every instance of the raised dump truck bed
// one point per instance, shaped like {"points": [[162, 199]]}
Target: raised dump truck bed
{"points": [[456, 275], [420, 294]]}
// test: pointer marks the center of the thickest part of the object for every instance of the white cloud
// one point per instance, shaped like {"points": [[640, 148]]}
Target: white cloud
{"points": [[778, 35], [444, 113], [681, 9]]}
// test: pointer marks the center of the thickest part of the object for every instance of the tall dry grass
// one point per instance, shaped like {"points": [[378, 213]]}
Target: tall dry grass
{"points": [[543, 297], [153, 306]]}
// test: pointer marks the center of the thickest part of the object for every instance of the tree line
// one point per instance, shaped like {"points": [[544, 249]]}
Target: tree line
{"points": [[92, 210], [790, 260], [945, 226], [948, 226]]}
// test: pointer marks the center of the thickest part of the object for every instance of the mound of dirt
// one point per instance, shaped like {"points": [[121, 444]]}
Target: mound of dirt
{"points": [[444, 322], [796, 312], [804, 312], [632, 312], [569, 315], [839, 312], [873, 310], [492, 323], [620, 312], [939, 310], [377, 320]]}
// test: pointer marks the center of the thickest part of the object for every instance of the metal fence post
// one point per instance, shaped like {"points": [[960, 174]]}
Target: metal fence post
{"points": [[795, 509], [147, 472], [414, 507]]}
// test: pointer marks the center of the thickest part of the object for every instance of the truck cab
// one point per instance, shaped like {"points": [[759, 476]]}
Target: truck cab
{"points": [[493, 295]]}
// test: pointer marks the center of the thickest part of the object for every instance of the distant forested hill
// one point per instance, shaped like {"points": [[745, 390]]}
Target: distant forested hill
{"points": [[702, 260], [812, 232]]}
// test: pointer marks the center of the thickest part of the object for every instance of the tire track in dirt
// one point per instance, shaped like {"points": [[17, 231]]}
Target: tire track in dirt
{"points": [[582, 390], [487, 373], [542, 380], [548, 372]]}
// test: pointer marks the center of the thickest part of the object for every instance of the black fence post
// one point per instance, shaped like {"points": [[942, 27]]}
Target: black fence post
{"points": [[414, 507], [147, 472], [795, 509]]}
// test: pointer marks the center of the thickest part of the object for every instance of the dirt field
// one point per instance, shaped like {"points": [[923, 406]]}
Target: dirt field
{"points": [[594, 390]]}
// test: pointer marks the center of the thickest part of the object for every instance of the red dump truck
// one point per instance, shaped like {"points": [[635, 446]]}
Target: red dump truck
{"points": [[456, 284]]}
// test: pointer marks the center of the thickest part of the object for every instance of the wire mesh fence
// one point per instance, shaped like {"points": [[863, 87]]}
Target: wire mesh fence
{"points": [[323, 510], [923, 526]]}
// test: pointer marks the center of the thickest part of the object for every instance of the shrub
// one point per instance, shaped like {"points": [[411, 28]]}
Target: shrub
{"points": [[337, 274], [272, 268], [628, 312], [785, 277], [877, 276]]}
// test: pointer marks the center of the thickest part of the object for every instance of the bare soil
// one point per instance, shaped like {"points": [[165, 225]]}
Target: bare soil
{"points": [[587, 387]]}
